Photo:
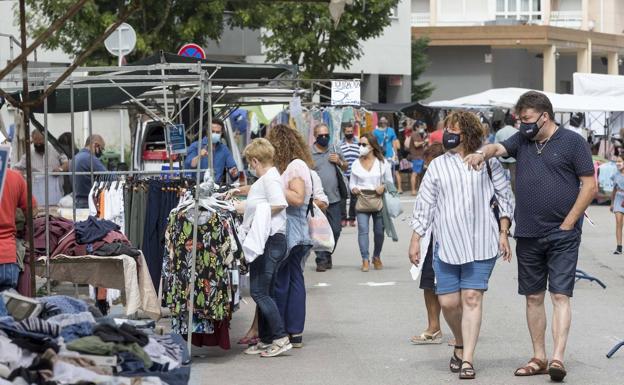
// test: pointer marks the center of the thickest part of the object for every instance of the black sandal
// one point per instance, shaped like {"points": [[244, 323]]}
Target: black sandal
{"points": [[467, 373], [456, 362]]}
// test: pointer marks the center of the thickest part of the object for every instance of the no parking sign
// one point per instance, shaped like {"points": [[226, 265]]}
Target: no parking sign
{"points": [[192, 50]]}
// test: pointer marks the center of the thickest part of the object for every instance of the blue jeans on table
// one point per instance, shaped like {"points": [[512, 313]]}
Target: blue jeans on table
{"points": [[9, 274], [289, 290], [263, 272], [363, 222]]}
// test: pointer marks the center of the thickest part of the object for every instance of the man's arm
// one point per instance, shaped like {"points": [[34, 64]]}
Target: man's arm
{"points": [[230, 164], [488, 151], [585, 197]]}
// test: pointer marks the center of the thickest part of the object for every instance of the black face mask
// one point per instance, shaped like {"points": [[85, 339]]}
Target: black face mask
{"points": [[322, 140], [530, 130], [39, 148], [98, 153], [349, 136], [450, 140]]}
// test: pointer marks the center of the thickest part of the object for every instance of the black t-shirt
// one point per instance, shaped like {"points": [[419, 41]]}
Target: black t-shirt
{"points": [[547, 185]]}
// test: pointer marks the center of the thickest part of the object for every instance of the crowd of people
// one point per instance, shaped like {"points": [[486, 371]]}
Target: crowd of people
{"points": [[469, 189]]}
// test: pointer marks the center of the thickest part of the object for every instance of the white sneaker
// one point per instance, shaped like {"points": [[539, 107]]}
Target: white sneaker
{"points": [[278, 347], [257, 348]]}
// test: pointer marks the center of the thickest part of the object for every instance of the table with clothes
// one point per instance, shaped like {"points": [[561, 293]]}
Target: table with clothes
{"points": [[69, 341], [95, 252]]}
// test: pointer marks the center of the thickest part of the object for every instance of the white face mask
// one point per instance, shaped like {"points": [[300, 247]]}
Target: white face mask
{"points": [[364, 150]]}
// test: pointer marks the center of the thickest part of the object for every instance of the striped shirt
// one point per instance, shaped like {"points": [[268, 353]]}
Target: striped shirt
{"points": [[455, 200], [351, 152]]}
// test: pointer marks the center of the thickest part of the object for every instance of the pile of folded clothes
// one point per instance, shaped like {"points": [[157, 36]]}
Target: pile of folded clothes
{"points": [[62, 340], [90, 237]]}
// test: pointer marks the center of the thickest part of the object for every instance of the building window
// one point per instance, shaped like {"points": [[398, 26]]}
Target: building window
{"points": [[527, 10], [394, 12]]}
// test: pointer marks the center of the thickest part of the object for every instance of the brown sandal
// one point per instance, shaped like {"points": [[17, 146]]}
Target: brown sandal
{"points": [[467, 373], [557, 371], [529, 370]]}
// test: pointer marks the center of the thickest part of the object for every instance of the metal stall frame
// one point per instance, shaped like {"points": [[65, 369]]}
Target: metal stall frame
{"points": [[202, 78]]}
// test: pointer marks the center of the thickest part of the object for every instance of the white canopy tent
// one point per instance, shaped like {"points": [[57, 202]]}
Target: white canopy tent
{"points": [[507, 98]]}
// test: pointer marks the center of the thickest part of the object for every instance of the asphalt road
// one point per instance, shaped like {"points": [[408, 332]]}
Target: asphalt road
{"points": [[358, 325]]}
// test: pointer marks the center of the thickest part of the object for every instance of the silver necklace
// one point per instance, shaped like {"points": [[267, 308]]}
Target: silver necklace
{"points": [[540, 149]]}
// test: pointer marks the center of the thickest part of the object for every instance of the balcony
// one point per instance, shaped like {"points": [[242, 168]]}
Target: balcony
{"points": [[566, 19], [420, 19]]}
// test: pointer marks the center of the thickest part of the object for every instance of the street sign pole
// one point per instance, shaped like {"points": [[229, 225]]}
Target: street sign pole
{"points": [[122, 143]]}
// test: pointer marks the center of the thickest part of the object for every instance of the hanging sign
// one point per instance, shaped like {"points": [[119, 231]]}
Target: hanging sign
{"points": [[192, 50], [5, 152], [345, 93], [176, 139]]}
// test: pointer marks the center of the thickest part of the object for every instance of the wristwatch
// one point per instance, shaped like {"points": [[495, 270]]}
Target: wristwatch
{"points": [[506, 232], [480, 153]]}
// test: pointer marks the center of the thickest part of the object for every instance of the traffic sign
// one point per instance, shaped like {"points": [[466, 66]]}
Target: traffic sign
{"points": [[122, 41], [192, 50]]}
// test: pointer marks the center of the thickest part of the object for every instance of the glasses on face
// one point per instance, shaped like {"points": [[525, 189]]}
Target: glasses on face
{"points": [[323, 136], [363, 144]]}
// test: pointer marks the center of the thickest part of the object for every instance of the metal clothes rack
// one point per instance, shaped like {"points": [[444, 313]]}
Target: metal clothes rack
{"points": [[199, 84]]}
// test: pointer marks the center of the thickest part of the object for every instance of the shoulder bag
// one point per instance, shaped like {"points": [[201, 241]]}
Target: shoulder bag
{"points": [[493, 201], [342, 184], [318, 226]]}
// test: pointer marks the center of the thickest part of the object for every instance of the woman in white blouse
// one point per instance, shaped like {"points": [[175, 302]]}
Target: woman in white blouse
{"points": [[455, 201], [368, 175]]}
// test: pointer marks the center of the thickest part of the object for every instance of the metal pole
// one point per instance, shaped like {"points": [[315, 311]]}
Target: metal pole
{"points": [[121, 129], [90, 133], [195, 219], [26, 111], [209, 124], [46, 190], [73, 148]]}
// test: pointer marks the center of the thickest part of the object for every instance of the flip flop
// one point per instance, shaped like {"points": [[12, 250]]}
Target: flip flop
{"points": [[426, 339]]}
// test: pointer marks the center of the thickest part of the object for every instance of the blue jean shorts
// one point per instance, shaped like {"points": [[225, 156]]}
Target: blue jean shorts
{"points": [[417, 166], [9, 274], [453, 278]]}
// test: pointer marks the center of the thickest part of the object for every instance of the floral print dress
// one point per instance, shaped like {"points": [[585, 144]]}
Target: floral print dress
{"points": [[215, 253]]}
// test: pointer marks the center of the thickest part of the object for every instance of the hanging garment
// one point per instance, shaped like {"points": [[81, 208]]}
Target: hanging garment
{"points": [[212, 295]]}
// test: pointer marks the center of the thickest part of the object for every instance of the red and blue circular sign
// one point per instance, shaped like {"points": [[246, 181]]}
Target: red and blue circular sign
{"points": [[192, 50]]}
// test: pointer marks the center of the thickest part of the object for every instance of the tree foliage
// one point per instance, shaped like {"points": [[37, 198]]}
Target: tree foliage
{"points": [[159, 24], [419, 65], [303, 33]]}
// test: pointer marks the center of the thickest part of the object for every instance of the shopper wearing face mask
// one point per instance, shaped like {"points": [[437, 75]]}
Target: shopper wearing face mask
{"points": [[223, 161], [87, 160], [351, 150], [368, 175], [551, 164], [329, 164], [56, 163], [617, 202], [455, 202], [416, 147]]}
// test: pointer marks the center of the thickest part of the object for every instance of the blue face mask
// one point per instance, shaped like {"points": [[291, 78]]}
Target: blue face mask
{"points": [[215, 138], [450, 140], [322, 140], [530, 130]]}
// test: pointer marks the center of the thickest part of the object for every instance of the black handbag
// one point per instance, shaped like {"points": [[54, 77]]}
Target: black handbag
{"points": [[342, 185], [493, 201]]}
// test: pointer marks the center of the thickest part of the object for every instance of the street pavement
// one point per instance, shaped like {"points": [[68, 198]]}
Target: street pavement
{"points": [[358, 324]]}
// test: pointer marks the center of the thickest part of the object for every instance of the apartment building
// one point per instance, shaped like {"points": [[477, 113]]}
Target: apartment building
{"points": [[481, 44], [385, 66]]}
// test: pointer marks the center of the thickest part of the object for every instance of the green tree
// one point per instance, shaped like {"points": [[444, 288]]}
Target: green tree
{"points": [[159, 24], [303, 33], [419, 65]]}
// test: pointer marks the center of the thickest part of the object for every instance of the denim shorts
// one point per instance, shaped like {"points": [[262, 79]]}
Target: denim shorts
{"points": [[9, 274], [417, 166], [453, 278]]}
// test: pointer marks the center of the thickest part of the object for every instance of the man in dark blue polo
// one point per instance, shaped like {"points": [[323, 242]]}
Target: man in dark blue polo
{"points": [[222, 158], [554, 185], [87, 159]]}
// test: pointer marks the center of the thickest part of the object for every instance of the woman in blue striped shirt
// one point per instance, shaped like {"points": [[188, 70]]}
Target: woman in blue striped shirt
{"points": [[456, 201]]}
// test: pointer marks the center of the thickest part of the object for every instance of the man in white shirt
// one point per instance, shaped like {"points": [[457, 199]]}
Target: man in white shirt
{"points": [[56, 163]]}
